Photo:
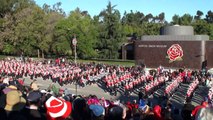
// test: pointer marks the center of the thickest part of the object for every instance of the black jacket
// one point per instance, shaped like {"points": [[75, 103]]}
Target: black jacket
{"points": [[186, 111], [31, 114]]}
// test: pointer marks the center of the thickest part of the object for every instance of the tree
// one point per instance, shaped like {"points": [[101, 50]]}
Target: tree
{"points": [[28, 30], [6, 7], [201, 27], [186, 19], [152, 28], [209, 17], [175, 20], [81, 26], [198, 15], [132, 24], [51, 18], [111, 32], [148, 18], [161, 17], [8, 10]]}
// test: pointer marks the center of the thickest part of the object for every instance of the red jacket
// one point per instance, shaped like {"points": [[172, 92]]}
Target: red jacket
{"points": [[197, 108]]}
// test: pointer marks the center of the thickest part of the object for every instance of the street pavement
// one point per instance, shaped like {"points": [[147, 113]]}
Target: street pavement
{"points": [[93, 89]]}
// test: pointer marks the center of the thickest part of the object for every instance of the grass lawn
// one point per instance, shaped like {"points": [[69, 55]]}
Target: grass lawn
{"points": [[2, 56], [110, 62]]}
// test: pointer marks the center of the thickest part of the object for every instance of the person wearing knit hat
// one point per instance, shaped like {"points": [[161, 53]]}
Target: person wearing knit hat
{"points": [[14, 101], [58, 109], [34, 86], [12, 87], [97, 111], [31, 111], [9, 88]]}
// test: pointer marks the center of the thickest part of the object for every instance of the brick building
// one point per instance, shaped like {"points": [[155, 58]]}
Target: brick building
{"points": [[176, 47]]}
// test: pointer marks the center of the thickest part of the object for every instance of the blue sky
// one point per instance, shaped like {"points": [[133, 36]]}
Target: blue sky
{"points": [[169, 7]]}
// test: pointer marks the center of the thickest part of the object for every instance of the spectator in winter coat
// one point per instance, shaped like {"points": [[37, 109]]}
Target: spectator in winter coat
{"points": [[187, 110], [205, 114]]}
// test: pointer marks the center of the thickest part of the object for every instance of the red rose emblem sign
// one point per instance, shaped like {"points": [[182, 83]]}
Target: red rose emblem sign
{"points": [[175, 52]]}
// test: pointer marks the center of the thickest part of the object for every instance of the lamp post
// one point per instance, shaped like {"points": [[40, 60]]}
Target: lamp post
{"points": [[74, 43], [76, 86]]}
